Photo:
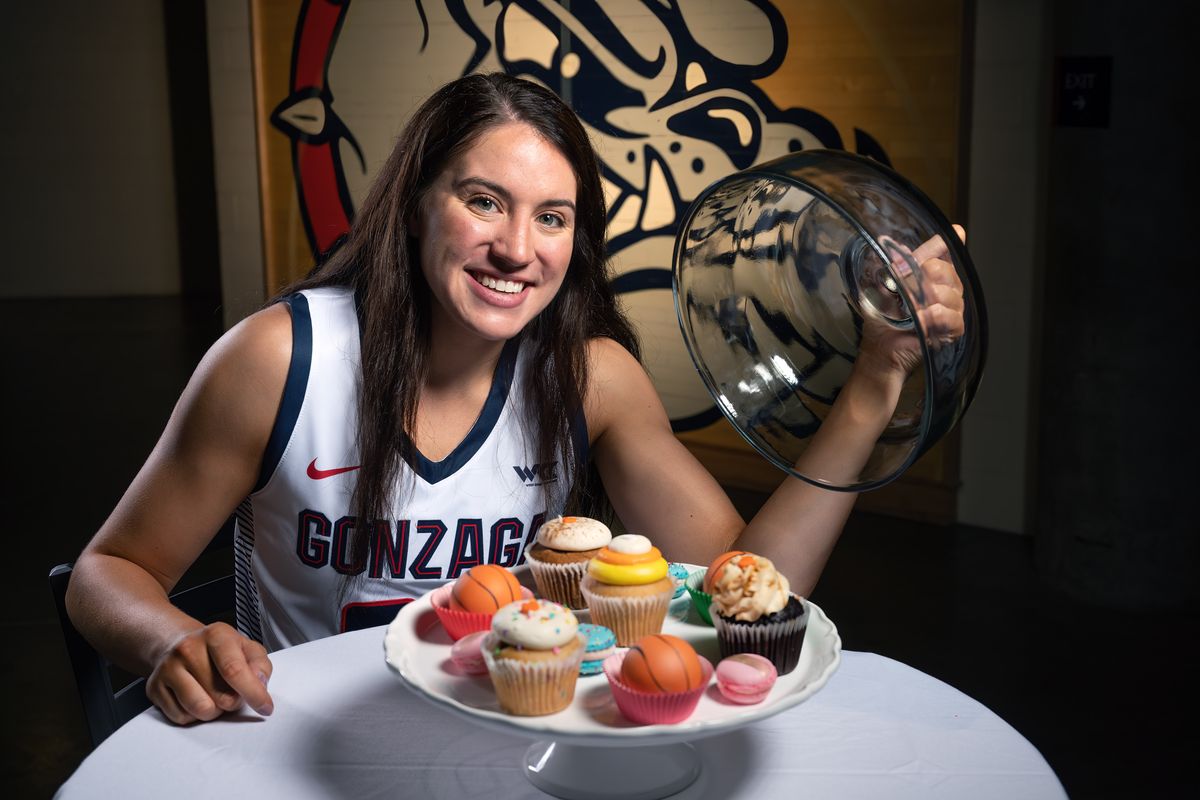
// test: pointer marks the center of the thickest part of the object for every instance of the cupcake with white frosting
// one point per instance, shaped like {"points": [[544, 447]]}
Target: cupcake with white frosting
{"points": [[533, 653], [559, 557], [628, 589], [754, 611]]}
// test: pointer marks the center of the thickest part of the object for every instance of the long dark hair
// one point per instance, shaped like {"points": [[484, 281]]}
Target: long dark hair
{"points": [[379, 259]]}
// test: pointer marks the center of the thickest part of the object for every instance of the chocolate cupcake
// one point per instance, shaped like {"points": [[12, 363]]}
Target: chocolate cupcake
{"points": [[754, 611]]}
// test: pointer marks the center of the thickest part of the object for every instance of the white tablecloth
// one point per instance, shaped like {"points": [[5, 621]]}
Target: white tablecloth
{"points": [[345, 726]]}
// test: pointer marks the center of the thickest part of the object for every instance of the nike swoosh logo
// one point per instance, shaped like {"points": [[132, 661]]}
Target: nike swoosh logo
{"points": [[318, 474]]}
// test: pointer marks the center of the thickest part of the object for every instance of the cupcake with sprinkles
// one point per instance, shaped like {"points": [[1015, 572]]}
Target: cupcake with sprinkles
{"points": [[628, 588], [754, 611], [533, 653]]}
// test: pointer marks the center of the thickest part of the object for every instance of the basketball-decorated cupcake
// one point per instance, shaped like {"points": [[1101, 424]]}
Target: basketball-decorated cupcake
{"points": [[533, 654], [659, 680], [754, 611], [467, 605], [699, 583], [627, 588], [559, 557]]}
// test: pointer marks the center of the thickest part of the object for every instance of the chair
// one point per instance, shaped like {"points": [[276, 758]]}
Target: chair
{"points": [[105, 707]]}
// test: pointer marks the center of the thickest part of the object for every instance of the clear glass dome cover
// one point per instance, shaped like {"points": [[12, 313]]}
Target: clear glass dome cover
{"points": [[776, 271]]}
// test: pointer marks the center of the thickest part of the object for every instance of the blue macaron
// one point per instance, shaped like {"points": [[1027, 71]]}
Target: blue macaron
{"points": [[601, 643], [679, 576]]}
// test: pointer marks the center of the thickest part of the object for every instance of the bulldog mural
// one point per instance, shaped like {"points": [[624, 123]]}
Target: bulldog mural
{"points": [[666, 89]]}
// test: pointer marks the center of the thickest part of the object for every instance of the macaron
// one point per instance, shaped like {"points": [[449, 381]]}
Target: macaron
{"points": [[679, 574], [601, 643], [745, 678], [467, 654]]}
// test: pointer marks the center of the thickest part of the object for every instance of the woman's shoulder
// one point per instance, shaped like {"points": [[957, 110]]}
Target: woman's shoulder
{"points": [[604, 353], [260, 340], [616, 380]]}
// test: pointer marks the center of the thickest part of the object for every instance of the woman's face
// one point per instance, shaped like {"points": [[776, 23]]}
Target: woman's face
{"points": [[496, 230]]}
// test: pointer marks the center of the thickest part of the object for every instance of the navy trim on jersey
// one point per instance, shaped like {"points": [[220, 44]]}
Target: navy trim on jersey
{"points": [[579, 437], [434, 471], [293, 388]]}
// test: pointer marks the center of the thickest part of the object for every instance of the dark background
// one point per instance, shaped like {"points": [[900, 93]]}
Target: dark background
{"points": [[1079, 634]]}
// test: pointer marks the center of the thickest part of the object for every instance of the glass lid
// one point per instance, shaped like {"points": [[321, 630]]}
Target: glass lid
{"points": [[778, 272]]}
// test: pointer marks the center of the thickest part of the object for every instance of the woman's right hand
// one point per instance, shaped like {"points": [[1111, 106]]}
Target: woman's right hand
{"points": [[208, 672]]}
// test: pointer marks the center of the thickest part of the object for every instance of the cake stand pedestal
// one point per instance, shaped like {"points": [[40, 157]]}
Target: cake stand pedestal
{"points": [[583, 772]]}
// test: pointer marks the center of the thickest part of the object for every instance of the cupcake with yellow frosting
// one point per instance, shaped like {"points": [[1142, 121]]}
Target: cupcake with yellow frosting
{"points": [[628, 589], [559, 557], [754, 611]]}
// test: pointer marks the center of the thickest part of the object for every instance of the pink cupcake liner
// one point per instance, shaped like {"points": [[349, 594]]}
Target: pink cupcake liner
{"points": [[654, 708], [459, 623]]}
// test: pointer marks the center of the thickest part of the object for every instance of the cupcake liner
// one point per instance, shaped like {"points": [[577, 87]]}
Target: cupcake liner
{"points": [[700, 598], [532, 688], [629, 617], [654, 708], [779, 642], [559, 582], [459, 623]]}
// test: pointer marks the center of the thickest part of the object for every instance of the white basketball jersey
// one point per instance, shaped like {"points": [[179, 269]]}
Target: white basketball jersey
{"points": [[483, 503]]}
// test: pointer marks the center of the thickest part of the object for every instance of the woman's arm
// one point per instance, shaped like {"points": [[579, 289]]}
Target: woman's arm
{"points": [[205, 463], [658, 488]]}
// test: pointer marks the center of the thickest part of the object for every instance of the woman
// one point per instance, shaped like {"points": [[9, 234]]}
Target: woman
{"points": [[455, 372]]}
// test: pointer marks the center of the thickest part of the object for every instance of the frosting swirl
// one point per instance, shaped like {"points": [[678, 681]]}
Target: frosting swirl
{"points": [[748, 587], [574, 534], [628, 560], [535, 624]]}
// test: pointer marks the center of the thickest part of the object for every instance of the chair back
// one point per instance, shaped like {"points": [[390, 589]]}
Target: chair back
{"points": [[105, 707]]}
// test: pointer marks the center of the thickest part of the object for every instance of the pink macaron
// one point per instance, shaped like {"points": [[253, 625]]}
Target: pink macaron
{"points": [[745, 678], [467, 654]]}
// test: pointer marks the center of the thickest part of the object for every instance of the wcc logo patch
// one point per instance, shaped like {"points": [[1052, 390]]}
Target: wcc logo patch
{"points": [[538, 474]]}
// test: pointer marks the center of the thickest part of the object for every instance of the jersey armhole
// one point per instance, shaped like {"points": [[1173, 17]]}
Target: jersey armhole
{"points": [[579, 439], [293, 389]]}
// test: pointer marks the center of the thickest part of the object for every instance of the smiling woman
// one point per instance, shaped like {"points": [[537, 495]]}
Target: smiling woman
{"points": [[460, 368], [495, 249]]}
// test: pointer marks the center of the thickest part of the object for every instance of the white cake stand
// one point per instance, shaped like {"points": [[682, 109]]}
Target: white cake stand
{"points": [[589, 751]]}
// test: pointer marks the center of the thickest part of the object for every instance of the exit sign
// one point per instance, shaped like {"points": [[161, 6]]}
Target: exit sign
{"points": [[1083, 91]]}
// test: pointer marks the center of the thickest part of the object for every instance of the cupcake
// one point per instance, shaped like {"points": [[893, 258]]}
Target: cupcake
{"points": [[468, 604], [559, 557], [699, 584], [754, 611], [659, 680], [627, 588], [533, 654]]}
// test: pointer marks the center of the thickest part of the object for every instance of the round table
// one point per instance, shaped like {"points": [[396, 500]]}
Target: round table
{"points": [[346, 726]]}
